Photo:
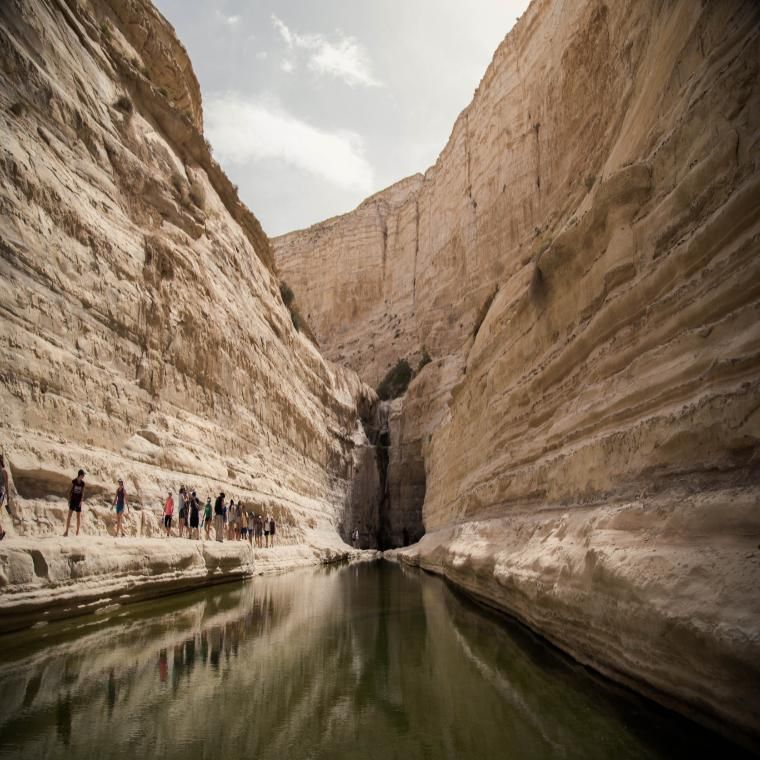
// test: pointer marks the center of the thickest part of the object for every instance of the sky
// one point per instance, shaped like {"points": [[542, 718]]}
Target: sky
{"points": [[312, 106]]}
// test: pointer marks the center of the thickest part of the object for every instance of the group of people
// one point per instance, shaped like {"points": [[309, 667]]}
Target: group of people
{"points": [[227, 518]]}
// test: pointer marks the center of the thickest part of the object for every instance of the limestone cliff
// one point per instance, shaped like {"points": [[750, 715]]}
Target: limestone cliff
{"points": [[143, 332], [582, 265]]}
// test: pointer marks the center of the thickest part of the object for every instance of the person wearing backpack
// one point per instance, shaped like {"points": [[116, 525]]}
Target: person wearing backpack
{"points": [[219, 517]]}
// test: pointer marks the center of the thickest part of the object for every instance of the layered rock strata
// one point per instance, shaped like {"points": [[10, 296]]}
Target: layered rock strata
{"points": [[143, 332], [582, 265]]}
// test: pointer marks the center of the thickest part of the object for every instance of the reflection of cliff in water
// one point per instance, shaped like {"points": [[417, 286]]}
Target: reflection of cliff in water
{"points": [[366, 660]]}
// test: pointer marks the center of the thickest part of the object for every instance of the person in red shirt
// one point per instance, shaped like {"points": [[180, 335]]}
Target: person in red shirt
{"points": [[168, 512]]}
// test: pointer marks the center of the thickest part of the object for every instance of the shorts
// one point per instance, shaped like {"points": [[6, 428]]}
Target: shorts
{"points": [[243, 531], [266, 532], [75, 507], [193, 522], [119, 509], [167, 521]]}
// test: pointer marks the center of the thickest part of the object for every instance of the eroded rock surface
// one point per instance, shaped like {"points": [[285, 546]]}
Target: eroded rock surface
{"points": [[143, 332], [582, 265]]}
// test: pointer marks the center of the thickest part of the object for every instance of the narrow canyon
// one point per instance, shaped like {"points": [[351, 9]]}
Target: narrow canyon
{"points": [[533, 369]]}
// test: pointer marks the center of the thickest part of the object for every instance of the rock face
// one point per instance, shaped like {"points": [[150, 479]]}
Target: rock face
{"points": [[143, 332], [582, 265]]}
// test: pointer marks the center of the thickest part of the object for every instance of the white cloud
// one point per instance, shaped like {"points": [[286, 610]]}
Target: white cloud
{"points": [[288, 66], [232, 20], [345, 59], [262, 55], [243, 130]]}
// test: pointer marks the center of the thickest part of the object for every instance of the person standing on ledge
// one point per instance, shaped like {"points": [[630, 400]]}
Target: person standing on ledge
{"points": [[355, 537], [194, 531], [251, 526], [219, 517], [182, 512], [271, 530], [5, 492], [76, 495], [120, 503], [207, 516], [168, 512]]}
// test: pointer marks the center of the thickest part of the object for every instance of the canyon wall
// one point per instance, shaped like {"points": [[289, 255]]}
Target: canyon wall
{"points": [[143, 331], [582, 266]]}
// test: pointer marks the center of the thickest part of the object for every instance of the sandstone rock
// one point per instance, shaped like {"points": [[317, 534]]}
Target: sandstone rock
{"points": [[42, 581], [584, 255], [143, 333]]}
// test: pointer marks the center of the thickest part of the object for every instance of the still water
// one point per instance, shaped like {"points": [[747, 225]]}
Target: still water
{"points": [[367, 660]]}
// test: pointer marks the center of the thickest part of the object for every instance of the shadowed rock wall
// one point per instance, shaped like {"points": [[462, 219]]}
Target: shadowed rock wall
{"points": [[582, 265]]}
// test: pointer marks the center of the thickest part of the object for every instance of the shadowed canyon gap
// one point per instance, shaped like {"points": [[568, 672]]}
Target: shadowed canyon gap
{"points": [[580, 266]]}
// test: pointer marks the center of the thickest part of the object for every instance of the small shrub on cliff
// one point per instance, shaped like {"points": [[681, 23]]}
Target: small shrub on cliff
{"points": [[105, 31], [424, 359], [396, 381], [590, 181], [123, 103], [287, 294], [18, 108]]}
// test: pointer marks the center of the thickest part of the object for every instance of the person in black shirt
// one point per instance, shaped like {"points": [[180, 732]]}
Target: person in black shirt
{"points": [[219, 517], [76, 495], [194, 531]]}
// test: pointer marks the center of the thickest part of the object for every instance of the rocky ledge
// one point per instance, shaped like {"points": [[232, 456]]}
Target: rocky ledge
{"points": [[53, 578], [634, 593]]}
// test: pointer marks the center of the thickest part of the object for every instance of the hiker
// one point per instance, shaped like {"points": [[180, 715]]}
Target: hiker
{"points": [[119, 504], [266, 530], [207, 516], [355, 537], [251, 526], [76, 495], [193, 531], [168, 512], [259, 531], [230, 520], [239, 521], [219, 517], [182, 512], [271, 530], [5, 492], [243, 524]]}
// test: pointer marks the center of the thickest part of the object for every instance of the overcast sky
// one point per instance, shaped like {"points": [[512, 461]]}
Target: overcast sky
{"points": [[312, 106]]}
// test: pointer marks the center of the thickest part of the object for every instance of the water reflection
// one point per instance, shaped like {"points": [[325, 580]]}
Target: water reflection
{"points": [[368, 661]]}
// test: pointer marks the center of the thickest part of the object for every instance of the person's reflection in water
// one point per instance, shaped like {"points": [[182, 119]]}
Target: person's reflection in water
{"points": [[190, 654], [204, 647], [163, 666], [216, 647], [178, 668], [63, 719], [111, 692]]}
